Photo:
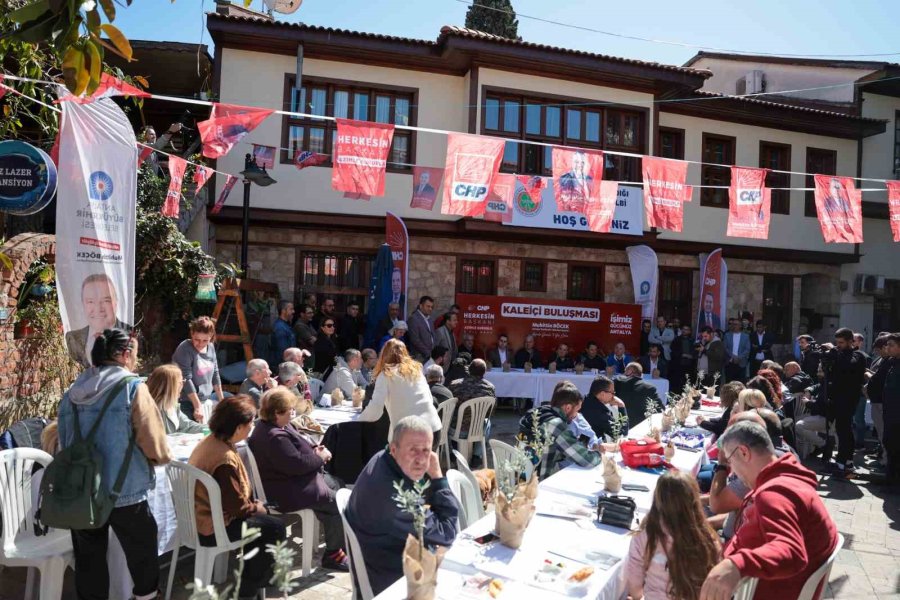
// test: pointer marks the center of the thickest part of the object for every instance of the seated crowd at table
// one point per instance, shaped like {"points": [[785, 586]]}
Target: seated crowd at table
{"points": [[752, 512]]}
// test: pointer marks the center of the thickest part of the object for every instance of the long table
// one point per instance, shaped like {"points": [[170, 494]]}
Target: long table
{"points": [[563, 530], [538, 385]]}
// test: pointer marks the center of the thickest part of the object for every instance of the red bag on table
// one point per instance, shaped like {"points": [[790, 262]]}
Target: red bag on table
{"points": [[645, 452]]}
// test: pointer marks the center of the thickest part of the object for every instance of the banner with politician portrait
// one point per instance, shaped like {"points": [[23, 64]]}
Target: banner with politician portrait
{"points": [[472, 164], [839, 207], [665, 192], [426, 183], [713, 291], [749, 204], [95, 223], [601, 209], [576, 178], [893, 189], [361, 151], [397, 238], [499, 203]]}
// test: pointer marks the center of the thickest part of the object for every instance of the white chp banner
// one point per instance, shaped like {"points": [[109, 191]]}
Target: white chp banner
{"points": [[95, 221], [644, 277], [627, 220]]}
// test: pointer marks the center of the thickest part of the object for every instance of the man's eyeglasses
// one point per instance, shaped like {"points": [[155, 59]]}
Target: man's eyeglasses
{"points": [[728, 456]]}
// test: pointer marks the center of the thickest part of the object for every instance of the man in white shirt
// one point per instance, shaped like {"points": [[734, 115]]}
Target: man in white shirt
{"points": [[663, 335], [501, 355]]}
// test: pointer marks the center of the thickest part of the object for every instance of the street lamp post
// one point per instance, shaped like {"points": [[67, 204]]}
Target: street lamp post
{"points": [[252, 173]]}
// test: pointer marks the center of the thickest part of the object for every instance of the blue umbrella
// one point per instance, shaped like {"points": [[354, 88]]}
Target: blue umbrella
{"points": [[379, 293]]}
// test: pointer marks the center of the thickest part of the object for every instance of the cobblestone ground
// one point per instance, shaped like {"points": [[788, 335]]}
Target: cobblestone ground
{"points": [[867, 514]]}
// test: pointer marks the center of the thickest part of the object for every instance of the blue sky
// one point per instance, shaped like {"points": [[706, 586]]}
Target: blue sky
{"points": [[780, 26]]}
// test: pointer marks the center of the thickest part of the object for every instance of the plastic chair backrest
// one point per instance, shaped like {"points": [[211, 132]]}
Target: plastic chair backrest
{"points": [[469, 498], [445, 413], [746, 589], [253, 471], [479, 407], [16, 494], [315, 388], [463, 466], [501, 451], [820, 575], [357, 561], [184, 479]]}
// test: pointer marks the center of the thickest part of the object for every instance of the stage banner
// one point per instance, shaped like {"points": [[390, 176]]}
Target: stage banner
{"points": [[713, 291], [360, 157], [576, 178], [839, 206], [426, 183], [627, 219], [397, 238], [550, 321], [893, 188], [201, 176], [664, 192], [749, 204], [227, 125], [264, 156], [472, 164], [601, 210], [95, 221], [499, 203], [644, 278], [223, 195], [177, 166]]}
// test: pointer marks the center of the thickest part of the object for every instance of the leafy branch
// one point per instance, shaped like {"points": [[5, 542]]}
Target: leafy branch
{"points": [[412, 502]]}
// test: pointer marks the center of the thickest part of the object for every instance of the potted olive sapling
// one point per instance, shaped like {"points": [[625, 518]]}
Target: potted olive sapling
{"points": [[420, 565]]}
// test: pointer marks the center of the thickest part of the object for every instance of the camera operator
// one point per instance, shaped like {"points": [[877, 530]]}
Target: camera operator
{"points": [[810, 355], [159, 144], [845, 370]]}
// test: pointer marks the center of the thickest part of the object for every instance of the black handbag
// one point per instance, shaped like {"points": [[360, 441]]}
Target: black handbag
{"points": [[617, 511]]}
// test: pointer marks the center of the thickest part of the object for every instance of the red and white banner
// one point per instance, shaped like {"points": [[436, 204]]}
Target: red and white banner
{"points": [[893, 188], [472, 164], [713, 291], [109, 87], [749, 204], [201, 176], [227, 125], [177, 166], [601, 210], [308, 158], [397, 238], [264, 156], [144, 153], [839, 206], [664, 192], [576, 178], [223, 195], [426, 183], [499, 204], [360, 157]]}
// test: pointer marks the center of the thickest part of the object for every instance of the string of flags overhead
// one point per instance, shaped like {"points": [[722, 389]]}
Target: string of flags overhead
{"points": [[474, 187]]}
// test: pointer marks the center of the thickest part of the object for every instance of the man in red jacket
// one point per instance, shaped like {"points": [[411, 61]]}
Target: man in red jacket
{"points": [[783, 532]]}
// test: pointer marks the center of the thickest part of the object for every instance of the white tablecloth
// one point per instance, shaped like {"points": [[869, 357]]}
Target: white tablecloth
{"points": [[538, 385]]}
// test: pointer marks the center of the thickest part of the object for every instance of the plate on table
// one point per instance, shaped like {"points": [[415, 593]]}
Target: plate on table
{"points": [[482, 586], [563, 576]]}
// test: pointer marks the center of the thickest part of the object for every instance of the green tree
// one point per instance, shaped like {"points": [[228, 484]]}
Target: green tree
{"points": [[496, 17]]}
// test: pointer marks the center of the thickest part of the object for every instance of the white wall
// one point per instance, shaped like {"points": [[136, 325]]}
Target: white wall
{"points": [[880, 256], [878, 150]]}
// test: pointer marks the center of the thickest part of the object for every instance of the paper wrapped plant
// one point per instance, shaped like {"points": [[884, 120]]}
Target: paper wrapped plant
{"points": [[420, 565], [359, 394], [612, 477], [515, 499], [669, 451], [527, 367], [337, 397], [668, 419]]}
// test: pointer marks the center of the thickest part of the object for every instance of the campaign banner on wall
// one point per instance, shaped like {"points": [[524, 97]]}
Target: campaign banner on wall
{"points": [[398, 239], [665, 192], [498, 206], [627, 220], [893, 188], [576, 178], [713, 291], [644, 277], [426, 183], [552, 322], [839, 207], [601, 211], [749, 204], [95, 221], [472, 164], [360, 157]]}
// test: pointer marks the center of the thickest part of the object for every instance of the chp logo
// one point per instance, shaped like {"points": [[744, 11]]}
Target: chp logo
{"points": [[749, 197], [469, 173], [100, 186]]}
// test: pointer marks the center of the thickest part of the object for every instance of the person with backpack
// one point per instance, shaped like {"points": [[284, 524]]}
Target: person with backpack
{"points": [[109, 409]]}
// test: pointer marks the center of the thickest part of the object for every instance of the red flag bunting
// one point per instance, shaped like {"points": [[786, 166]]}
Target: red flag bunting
{"points": [[264, 156], [664, 192], [223, 195], [143, 154], [426, 182], [309, 159], [227, 125], [109, 87], [576, 178], [839, 206], [177, 166], [54, 150], [2, 87], [360, 156], [472, 163], [499, 203], [893, 188], [749, 204], [601, 210], [201, 176]]}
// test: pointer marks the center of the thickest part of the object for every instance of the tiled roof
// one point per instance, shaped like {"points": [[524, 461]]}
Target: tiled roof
{"points": [[779, 105]]}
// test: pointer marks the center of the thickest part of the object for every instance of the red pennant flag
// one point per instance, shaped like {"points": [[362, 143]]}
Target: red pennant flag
{"points": [[893, 188], [144, 154], [749, 204], [201, 176], [426, 182], [3, 88], [499, 204], [109, 87], [309, 159], [177, 166], [664, 192], [360, 157], [264, 156], [223, 195], [54, 150], [839, 206], [227, 125], [576, 178], [472, 163], [601, 210]]}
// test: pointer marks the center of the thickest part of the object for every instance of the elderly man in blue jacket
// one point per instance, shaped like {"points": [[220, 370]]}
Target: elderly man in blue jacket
{"points": [[379, 524]]}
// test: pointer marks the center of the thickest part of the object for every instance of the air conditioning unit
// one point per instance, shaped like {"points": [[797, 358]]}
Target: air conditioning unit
{"points": [[868, 285], [756, 82]]}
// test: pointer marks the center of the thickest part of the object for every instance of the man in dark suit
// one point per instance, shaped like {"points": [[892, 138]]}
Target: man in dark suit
{"points": [[708, 316], [737, 352], [635, 392], [434, 375], [424, 189], [655, 364], [99, 303], [760, 347], [421, 330], [388, 322], [496, 357], [528, 354]]}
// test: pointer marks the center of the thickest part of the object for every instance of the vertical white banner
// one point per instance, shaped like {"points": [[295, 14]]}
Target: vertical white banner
{"points": [[95, 222], [644, 277]]}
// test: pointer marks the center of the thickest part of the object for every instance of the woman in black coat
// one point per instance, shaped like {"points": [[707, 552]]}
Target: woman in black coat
{"points": [[326, 348]]}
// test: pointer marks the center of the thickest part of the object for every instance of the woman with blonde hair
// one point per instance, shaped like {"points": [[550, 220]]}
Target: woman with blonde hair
{"points": [[401, 388], [748, 399], [675, 547], [165, 384]]}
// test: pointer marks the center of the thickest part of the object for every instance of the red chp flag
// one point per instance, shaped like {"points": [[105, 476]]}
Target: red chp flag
{"points": [[576, 178], [227, 125], [201, 176], [839, 206], [498, 206], [749, 204], [360, 157], [601, 210], [665, 192], [472, 164], [173, 196], [223, 195], [109, 87], [264, 156], [893, 188], [426, 183]]}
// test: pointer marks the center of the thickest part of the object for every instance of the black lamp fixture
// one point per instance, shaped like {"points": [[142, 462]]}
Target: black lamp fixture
{"points": [[252, 173]]}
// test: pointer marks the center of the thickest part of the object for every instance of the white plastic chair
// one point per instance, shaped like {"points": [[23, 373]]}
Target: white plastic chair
{"points": [[462, 465], [315, 389], [308, 523], [501, 451], [184, 479], [354, 551], [820, 575], [746, 589], [50, 554], [469, 498], [206, 407], [445, 413], [478, 409]]}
